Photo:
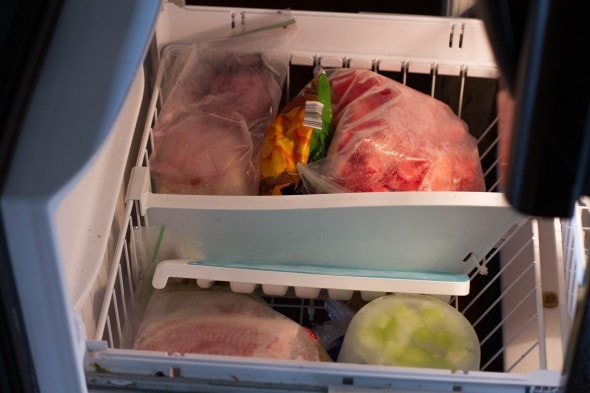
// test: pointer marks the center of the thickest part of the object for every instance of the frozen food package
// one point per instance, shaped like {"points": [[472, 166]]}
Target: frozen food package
{"points": [[152, 244], [411, 330], [208, 134], [221, 322], [299, 134], [390, 137], [331, 332]]}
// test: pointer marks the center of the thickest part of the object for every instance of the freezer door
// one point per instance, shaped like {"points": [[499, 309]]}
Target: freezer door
{"points": [[91, 65], [33, 23]]}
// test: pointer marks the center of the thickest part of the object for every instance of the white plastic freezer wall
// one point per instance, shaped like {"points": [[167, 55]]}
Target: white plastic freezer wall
{"points": [[532, 252]]}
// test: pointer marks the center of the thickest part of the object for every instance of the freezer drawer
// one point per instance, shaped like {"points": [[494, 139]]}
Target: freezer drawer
{"points": [[516, 266], [463, 77]]}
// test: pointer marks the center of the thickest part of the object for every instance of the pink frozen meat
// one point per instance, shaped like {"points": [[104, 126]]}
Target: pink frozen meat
{"points": [[390, 137]]}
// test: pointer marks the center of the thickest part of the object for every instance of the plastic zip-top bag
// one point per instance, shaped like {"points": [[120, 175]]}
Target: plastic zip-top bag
{"points": [[208, 134], [390, 137], [181, 320]]}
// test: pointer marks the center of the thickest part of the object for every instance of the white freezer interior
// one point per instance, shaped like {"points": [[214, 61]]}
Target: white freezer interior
{"points": [[526, 259]]}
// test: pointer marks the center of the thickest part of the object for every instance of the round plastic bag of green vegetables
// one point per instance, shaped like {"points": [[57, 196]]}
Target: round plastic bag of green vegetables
{"points": [[411, 331]]}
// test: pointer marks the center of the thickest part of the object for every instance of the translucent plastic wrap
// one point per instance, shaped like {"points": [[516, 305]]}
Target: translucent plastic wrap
{"points": [[208, 134], [412, 331], [390, 137], [219, 322], [300, 134]]}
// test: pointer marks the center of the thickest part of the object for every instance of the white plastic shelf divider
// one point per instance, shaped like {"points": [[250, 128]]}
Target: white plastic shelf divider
{"points": [[443, 232]]}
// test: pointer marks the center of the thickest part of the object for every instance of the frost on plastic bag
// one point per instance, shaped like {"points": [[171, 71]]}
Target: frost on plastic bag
{"points": [[208, 134], [174, 59], [220, 322], [390, 137]]}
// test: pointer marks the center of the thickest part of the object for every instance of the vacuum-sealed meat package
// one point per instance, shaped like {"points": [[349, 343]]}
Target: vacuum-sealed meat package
{"points": [[208, 134], [390, 137], [219, 322]]}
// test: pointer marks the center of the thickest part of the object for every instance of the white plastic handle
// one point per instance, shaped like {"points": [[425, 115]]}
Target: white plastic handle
{"points": [[309, 279]]}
